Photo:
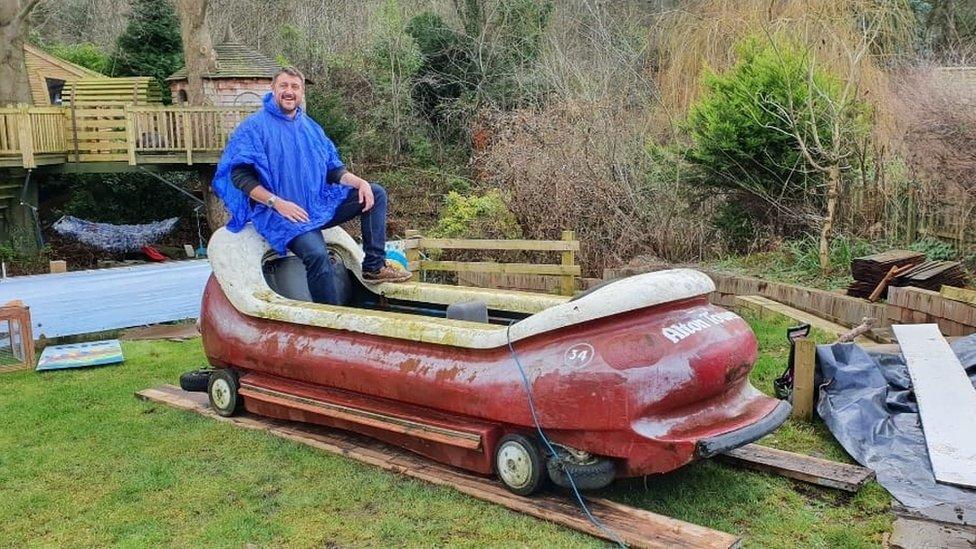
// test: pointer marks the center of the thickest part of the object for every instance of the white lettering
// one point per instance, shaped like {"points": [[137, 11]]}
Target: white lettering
{"points": [[676, 332]]}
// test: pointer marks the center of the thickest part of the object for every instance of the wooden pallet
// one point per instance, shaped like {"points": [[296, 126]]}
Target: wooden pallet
{"points": [[635, 527]]}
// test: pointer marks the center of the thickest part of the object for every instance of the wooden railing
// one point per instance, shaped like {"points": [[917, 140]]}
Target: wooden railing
{"points": [[26, 132], [186, 130], [115, 133], [567, 269]]}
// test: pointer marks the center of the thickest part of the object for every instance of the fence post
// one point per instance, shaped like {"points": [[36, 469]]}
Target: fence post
{"points": [[568, 282], [130, 135], [413, 252], [804, 365], [188, 136], [25, 135]]}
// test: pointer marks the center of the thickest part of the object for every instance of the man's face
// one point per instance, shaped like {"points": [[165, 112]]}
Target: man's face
{"points": [[288, 92]]}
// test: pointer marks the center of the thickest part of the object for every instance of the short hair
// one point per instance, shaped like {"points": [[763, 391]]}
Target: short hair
{"points": [[290, 71]]}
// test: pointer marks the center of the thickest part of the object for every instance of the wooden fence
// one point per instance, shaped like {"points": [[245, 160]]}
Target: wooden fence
{"points": [[567, 270], [111, 132]]}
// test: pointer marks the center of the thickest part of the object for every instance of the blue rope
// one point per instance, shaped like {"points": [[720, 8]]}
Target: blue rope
{"points": [[552, 451]]}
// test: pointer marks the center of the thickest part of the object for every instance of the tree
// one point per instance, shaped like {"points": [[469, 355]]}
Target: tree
{"points": [[14, 84], [150, 44], [198, 52]]}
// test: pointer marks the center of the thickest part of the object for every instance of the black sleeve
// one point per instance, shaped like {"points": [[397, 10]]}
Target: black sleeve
{"points": [[245, 178], [335, 175]]}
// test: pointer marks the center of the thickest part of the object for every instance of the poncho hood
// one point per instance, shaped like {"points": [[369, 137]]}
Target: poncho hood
{"points": [[291, 156]]}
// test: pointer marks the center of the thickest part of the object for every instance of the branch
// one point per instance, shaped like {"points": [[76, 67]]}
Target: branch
{"points": [[25, 11]]}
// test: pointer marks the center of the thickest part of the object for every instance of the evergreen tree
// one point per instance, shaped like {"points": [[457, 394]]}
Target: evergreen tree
{"points": [[151, 43]]}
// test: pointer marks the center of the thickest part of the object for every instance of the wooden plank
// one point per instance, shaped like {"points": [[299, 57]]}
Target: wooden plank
{"points": [[492, 267], [959, 294], [499, 244], [946, 402], [765, 306], [804, 391], [104, 157], [635, 527], [809, 469], [130, 137]]}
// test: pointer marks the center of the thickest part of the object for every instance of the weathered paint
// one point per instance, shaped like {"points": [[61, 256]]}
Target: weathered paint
{"points": [[236, 265], [642, 398]]}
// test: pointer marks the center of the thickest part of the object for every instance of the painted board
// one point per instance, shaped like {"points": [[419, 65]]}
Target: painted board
{"points": [[80, 355], [946, 402]]}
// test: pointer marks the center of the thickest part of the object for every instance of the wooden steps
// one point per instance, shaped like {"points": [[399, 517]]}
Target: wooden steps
{"points": [[635, 527]]}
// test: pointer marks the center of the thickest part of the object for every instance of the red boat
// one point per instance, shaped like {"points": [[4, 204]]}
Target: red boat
{"points": [[639, 376]]}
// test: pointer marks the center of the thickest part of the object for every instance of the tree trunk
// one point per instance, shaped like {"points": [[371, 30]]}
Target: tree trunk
{"points": [[14, 84], [198, 52], [833, 186]]}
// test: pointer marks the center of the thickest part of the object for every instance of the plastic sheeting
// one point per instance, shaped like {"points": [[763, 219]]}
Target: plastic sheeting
{"points": [[81, 302], [867, 403], [114, 238]]}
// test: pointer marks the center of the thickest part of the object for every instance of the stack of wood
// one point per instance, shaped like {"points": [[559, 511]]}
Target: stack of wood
{"points": [[932, 275], [877, 271]]}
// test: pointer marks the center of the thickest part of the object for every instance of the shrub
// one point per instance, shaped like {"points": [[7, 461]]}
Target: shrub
{"points": [[151, 43], [484, 216], [742, 143], [326, 108], [86, 54]]}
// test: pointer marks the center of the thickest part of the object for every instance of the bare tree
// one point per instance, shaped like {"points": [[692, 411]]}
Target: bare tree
{"points": [[14, 84], [198, 52]]}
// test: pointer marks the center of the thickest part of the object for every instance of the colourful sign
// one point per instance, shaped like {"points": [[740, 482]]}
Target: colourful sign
{"points": [[80, 355]]}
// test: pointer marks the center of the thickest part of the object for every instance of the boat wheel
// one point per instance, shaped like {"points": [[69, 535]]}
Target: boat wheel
{"points": [[519, 464], [223, 392]]}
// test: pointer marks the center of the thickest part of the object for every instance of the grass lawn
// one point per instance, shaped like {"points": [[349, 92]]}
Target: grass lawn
{"points": [[83, 462]]}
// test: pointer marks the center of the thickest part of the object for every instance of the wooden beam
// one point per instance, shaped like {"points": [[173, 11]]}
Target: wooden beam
{"points": [[959, 294], [635, 527], [492, 267], [807, 469], [412, 237], [804, 391], [499, 244], [946, 402]]}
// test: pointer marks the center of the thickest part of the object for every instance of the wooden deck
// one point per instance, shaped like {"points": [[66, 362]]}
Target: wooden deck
{"points": [[132, 135]]}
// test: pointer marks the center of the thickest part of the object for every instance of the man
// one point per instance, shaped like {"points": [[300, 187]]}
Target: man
{"points": [[281, 172]]}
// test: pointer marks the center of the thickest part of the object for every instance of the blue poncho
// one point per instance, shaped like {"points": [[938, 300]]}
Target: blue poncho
{"points": [[291, 157]]}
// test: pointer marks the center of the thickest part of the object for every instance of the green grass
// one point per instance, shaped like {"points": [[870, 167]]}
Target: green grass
{"points": [[84, 463]]}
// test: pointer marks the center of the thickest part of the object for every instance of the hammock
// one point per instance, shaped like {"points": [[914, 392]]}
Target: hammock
{"points": [[114, 238]]}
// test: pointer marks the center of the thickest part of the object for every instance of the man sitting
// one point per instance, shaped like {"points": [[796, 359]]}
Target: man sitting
{"points": [[281, 172]]}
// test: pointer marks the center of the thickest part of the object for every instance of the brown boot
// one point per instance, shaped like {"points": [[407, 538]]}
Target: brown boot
{"points": [[387, 274]]}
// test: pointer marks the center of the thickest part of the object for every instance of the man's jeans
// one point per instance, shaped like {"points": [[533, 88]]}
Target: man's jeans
{"points": [[311, 248]]}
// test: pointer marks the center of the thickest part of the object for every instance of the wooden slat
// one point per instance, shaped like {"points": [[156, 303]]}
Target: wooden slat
{"points": [[808, 469], [946, 402], [635, 527], [491, 267], [104, 157], [959, 294], [490, 244]]}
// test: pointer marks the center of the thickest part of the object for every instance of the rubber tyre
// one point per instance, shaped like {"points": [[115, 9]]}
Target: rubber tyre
{"points": [[519, 464], [222, 391], [197, 381], [587, 476]]}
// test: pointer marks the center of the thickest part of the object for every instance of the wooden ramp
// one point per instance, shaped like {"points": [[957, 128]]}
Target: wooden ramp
{"points": [[635, 527], [765, 307]]}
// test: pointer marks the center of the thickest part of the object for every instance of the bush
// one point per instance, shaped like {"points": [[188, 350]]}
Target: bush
{"points": [[484, 216], [326, 108], [86, 54], [743, 146], [934, 250], [151, 43]]}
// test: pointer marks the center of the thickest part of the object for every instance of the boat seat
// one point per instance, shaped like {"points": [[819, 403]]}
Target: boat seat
{"points": [[472, 311], [286, 276]]}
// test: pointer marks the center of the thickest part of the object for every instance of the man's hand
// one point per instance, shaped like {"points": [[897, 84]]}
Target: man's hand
{"points": [[365, 195], [293, 212]]}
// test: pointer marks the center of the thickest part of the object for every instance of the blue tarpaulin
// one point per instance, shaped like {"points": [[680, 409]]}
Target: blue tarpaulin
{"points": [[867, 402]]}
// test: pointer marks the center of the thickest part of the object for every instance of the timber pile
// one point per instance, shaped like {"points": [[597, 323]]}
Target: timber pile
{"points": [[932, 275], [870, 271]]}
